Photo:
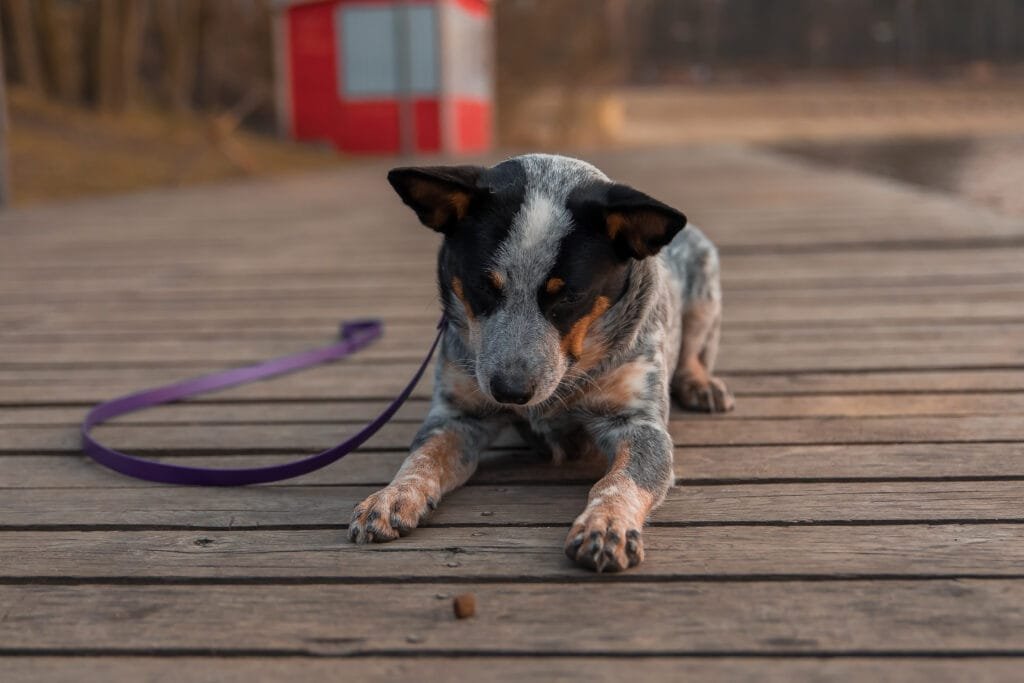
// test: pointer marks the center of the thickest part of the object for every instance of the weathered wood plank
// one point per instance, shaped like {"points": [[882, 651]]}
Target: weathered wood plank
{"points": [[412, 289], [765, 356], [868, 405], [906, 617], [928, 279], [845, 268], [591, 669], [848, 268], [372, 381], [316, 329], [799, 207], [514, 505], [895, 381], [693, 465], [510, 554], [750, 225], [49, 330], [427, 310], [314, 437]]}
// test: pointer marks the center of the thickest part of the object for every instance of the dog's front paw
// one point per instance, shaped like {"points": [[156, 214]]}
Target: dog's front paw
{"points": [[604, 542], [708, 395], [389, 513]]}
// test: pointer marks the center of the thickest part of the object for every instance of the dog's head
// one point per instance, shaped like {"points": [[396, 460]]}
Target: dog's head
{"points": [[536, 251]]}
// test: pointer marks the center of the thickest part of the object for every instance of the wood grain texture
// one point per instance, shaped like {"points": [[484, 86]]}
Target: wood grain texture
{"points": [[511, 505], [837, 617], [591, 669], [342, 412], [316, 436], [868, 405], [693, 465], [511, 554], [380, 382]]}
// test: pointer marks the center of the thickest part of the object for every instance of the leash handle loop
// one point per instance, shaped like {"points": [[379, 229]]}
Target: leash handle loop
{"points": [[355, 335]]}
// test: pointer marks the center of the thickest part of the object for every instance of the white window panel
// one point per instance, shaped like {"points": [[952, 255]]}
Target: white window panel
{"points": [[374, 42]]}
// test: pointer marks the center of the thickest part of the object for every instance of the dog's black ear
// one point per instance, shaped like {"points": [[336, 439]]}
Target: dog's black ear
{"points": [[639, 225], [440, 195]]}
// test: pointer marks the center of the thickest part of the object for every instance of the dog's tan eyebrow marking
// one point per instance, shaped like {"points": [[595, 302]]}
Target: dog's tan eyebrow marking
{"points": [[554, 285], [497, 279], [572, 343], [460, 293]]}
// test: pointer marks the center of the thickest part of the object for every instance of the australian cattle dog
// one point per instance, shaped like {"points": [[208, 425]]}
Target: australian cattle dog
{"points": [[575, 307]]}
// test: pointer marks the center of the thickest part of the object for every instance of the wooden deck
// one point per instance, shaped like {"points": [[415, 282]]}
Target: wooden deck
{"points": [[860, 515]]}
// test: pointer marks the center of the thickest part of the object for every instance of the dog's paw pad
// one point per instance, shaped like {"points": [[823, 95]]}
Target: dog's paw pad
{"points": [[604, 544], [708, 396], [387, 514]]}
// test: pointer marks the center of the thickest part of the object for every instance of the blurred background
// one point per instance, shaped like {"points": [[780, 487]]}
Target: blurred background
{"points": [[106, 96]]}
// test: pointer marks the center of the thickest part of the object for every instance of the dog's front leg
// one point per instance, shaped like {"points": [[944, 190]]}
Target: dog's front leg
{"points": [[444, 455], [607, 535]]}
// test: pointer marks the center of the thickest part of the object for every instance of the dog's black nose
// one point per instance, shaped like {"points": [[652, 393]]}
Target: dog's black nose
{"points": [[506, 390]]}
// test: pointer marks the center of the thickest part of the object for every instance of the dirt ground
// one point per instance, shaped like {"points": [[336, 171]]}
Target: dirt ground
{"points": [[62, 152], [807, 111], [821, 112]]}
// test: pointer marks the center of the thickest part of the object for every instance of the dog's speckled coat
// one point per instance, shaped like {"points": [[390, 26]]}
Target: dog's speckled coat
{"points": [[564, 324]]}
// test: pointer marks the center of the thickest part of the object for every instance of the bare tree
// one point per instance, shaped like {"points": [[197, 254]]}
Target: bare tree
{"points": [[178, 25], [49, 48], [133, 21], [120, 36], [538, 56], [26, 50], [4, 188], [107, 69]]}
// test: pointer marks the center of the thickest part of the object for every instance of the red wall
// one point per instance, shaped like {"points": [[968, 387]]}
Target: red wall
{"points": [[313, 72], [472, 126], [367, 126]]}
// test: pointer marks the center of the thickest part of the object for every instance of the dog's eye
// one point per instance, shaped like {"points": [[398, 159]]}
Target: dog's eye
{"points": [[566, 299], [559, 305]]}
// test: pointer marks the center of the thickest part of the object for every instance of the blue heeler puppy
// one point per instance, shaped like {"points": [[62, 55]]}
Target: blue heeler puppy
{"points": [[564, 323]]}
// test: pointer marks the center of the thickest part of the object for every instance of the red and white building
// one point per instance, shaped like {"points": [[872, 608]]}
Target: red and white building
{"points": [[386, 76]]}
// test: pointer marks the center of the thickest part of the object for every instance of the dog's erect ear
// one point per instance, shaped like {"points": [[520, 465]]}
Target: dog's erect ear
{"points": [[440, 195], [639, 225]]}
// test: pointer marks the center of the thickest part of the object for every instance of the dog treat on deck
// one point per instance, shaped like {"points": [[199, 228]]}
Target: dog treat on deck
{"points": [[464, 605]]}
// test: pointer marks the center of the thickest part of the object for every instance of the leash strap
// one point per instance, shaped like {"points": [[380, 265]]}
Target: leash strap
{"points": [[355, 335]]}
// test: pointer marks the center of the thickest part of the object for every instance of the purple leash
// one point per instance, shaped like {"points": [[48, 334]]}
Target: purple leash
{"points": [[355, 335]]}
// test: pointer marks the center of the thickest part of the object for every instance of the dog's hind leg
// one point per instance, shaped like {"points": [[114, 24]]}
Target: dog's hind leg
{"points": [[694, 384]]}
